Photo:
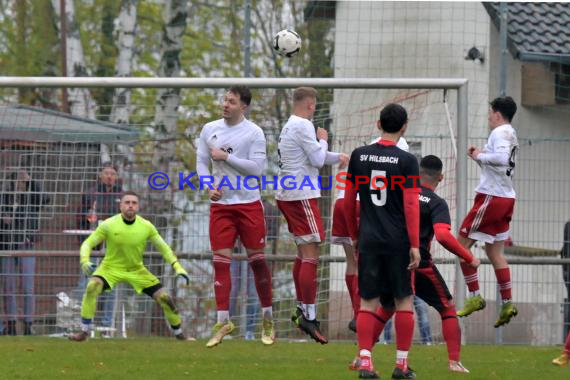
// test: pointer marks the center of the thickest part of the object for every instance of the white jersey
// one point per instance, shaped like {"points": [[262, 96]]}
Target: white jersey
{"points": [[497, 180], [297, 142], [402, 144], [244, 140]]}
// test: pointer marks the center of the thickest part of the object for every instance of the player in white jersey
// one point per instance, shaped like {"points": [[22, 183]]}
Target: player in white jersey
{"points": [[340, 236], [236, 148], [301, 154], [489, 219]]}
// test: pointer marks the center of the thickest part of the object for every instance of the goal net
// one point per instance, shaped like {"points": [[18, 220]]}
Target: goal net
{"points": [[66, 157]]}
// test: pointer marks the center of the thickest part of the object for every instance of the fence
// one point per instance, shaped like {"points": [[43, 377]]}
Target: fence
{"points": [[64, 153], [538, 288]]}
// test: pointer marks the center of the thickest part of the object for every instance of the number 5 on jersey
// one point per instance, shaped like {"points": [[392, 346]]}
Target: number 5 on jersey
{"points": [[378, 192]]}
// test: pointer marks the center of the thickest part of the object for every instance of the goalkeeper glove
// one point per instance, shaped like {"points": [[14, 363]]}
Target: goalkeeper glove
{"points": [[88, 268], [180, 272]]}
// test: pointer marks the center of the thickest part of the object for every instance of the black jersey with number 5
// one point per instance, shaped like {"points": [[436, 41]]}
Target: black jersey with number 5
{"points": [[382, 220]]}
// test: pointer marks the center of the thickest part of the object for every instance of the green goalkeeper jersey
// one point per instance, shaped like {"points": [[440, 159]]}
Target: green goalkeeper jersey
{"points": [[125, 243]]}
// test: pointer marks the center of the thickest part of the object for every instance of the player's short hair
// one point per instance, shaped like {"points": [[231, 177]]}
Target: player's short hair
{"points": [[506, 106], [243, 92], [302, 93], [128, 192], [431, 166], [393, 117]]}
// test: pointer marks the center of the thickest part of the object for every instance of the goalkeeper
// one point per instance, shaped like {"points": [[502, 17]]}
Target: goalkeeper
{"points": [[126, 235]]}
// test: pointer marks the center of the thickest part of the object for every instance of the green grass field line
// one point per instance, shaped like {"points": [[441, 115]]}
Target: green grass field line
{"points": [[167, 359]]}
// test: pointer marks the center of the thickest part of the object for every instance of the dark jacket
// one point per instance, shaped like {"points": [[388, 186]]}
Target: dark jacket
{"points": [[107, 203], [24, 209]]}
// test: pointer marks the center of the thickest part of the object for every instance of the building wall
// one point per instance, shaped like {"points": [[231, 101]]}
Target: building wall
{"points": [[430, 39]]}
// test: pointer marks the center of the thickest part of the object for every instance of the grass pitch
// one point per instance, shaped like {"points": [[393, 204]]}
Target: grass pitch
{"points": [[167, 359]]}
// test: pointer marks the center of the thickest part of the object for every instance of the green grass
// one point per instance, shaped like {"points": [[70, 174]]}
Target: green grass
{"points": [[167, 359]]}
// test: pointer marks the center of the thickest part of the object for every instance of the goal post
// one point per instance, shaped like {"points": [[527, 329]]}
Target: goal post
{"points": [[457, 85]]}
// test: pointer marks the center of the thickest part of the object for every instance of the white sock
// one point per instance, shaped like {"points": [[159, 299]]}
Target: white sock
{"points": [[303, 309], [402, 359], [177, 331], [365, 353], [85, 325], [267, 312], [223, 316], [474, 293], [311, 311]]}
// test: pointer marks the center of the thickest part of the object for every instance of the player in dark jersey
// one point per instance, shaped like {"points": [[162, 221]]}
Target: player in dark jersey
{"points": [[429, 285], [385, 177]]}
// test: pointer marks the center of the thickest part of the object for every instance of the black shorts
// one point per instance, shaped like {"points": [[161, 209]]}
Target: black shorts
{"points": [[384, 276], [430, 287]]}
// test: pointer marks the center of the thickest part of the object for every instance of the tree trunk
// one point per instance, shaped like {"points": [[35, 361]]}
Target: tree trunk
{"points": [[20, 51], [167, 102], [45, 23], [124, 66], [165, 119], [80, 100]]}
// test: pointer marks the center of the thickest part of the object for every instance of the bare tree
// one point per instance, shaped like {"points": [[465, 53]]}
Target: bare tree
{"points": [[80, 99], [126, 27]]}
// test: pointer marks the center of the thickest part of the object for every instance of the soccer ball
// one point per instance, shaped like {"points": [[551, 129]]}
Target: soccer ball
{"points": [[287, 42]]}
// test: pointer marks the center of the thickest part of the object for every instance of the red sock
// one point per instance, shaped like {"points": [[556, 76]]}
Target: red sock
{"points": [[384, 316], [504, 280], [352, 291], [262, 278], [404, 324], [471, 278], [451, 332], [567, 345], [296, 271], [308, 281], [222, 281], [368, 326]]}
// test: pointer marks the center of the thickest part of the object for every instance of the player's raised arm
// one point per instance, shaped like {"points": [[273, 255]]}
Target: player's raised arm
{"points": [[96, 238]]}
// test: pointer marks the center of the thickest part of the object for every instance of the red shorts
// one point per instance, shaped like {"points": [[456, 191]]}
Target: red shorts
{"points": [[340, 234], [304, 220], [489, 219], [227, 222]]}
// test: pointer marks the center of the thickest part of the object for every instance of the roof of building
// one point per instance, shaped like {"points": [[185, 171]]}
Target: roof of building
{"points": [[20, 122], [536, 31]]}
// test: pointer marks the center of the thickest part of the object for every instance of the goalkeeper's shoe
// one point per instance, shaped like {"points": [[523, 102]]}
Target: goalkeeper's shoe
{"points": [[181, 336], [457, 367], [268, 332], [366, 370], [354, 364], [219, 331], [508, 310], [313, 329], [79, 337], [399, 373], [562, 360], [472, 305]]}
